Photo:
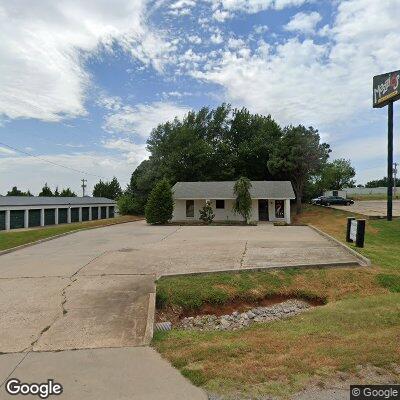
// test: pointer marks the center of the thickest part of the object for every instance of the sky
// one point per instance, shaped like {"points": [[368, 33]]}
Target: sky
{"points": [[83, 83]]}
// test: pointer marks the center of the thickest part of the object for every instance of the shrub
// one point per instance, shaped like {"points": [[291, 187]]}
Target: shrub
{"points": [[160, 204], [206, 213], [242, 204], [126, 205]]}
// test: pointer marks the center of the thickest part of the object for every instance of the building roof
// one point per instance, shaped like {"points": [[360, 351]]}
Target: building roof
{"points": [[224, 190], [51, 201]]}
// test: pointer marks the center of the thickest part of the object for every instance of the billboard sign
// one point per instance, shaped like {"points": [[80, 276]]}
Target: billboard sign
{"points": [[386, 88]]}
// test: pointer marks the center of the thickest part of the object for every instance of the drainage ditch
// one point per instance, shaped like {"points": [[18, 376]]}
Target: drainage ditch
{"points": [[234, 315]]}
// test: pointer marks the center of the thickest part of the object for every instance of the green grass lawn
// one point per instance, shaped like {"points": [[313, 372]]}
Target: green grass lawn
{"points": [[359, 325], [16, 238]]}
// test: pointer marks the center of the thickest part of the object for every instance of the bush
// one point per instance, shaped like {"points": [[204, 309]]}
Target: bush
{"points": [[242, 204], [126, 205], [160, 204], [206, 213]]}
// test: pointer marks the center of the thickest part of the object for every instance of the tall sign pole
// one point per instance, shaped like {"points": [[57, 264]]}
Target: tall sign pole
{"points": [[386, 90], [390, 163]]}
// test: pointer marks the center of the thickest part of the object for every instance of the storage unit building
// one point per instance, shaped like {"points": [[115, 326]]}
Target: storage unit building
{"points": [[26, 212]]}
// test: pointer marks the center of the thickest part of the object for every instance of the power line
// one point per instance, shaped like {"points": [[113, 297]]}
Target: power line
{"points": [[51, 162]]}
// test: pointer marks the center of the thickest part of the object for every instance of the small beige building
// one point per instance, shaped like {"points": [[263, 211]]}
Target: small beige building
{"points": [[270, 200]]}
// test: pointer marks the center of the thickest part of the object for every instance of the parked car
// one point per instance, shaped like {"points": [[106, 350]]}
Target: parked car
{"points": [[317, 200], [334, 200]]}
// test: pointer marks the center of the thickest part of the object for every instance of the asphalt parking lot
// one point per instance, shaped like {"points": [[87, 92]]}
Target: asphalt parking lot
{"points": [[371, 208]]}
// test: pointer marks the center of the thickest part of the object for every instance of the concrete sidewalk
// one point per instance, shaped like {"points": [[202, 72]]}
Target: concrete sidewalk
{"points": [[125, 373]]}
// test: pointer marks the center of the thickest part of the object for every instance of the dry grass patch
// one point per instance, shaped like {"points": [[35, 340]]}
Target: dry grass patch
{"points": [[281, 357]]}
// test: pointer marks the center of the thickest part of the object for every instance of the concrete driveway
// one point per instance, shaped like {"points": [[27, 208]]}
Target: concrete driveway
{"points": [[94, 292]]}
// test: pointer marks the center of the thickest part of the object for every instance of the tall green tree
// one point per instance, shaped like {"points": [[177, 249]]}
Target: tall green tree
{"points": [[56, 192], [298, 156], [142, 181], [111, 190], [242, 205], [160, 205], [16, 192], [338, 174], [67, 193], [207, 145], [46, 191]]}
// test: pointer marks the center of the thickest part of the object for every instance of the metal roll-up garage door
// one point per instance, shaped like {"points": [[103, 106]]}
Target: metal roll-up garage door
{"points": [[17, 219], [2, 220], [34, 218], [95, 212], [85, 213], [75, 214], [103, 212], [111, 212], [62, 215], [50, 216]]}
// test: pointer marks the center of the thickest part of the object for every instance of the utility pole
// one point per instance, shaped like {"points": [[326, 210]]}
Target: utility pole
{"points": [[83, 186], [394, 178]]}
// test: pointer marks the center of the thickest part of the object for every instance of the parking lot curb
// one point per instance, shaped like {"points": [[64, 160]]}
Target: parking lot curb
{"points": [[148, 334], [364, 261]]}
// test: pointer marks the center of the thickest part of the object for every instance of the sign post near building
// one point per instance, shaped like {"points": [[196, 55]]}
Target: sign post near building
{"points": [[386, 90]]}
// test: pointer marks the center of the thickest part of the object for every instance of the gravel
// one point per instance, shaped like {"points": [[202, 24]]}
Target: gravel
{"points": [[238, 320]]}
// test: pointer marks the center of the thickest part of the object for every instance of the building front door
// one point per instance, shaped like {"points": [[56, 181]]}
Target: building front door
{"points": [[263, 210]]}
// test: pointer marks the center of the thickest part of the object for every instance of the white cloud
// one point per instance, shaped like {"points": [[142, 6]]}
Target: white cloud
{"points": [[216, 38], [6, 151], [182, 4], [142, 118], [133, 153], [221, 15], [260, 29], [302, 81], [304, 23], [31, 173], [194, 39], [44, 46], [254, 6]]}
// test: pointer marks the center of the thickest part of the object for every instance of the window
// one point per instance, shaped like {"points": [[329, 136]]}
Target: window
{"points": [[189, 208], [220, 204]]}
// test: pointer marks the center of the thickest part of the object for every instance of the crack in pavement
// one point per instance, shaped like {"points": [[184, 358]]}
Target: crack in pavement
{"points": [[18, 364], [244, 254]]}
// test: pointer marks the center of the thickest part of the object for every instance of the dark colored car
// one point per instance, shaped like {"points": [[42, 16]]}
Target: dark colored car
{"points": [[334, 200]]}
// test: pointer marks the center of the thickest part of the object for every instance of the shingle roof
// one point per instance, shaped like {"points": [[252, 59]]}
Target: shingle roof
{"points": [[50, 201], [224, 190]]}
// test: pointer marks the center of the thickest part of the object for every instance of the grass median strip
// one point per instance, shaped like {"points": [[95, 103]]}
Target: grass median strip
{"points": [[11, 239], [358, 326]]}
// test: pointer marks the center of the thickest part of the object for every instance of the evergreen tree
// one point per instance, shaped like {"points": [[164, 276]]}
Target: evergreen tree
{"points": [[110, 190], [160, 205], [242, 204], [67, 193], [46, 191], [16, 192]]}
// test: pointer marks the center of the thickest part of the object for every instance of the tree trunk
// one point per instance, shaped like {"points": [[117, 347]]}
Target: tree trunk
{"points": [[298, 189], [298, 204]]}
